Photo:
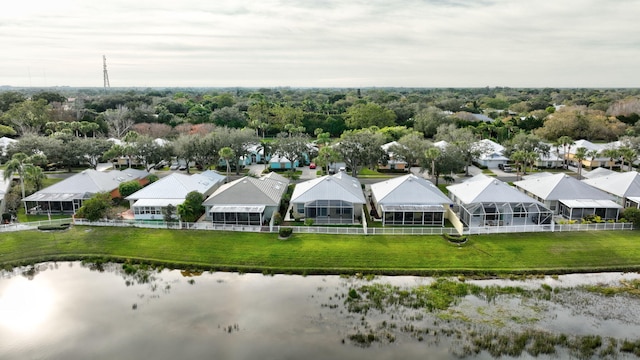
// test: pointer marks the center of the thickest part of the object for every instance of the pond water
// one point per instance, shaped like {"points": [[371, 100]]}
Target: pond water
{"points": [[76, 311]]}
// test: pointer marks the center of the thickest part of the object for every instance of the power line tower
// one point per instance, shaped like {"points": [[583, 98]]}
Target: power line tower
{"points": [[105, 74]]}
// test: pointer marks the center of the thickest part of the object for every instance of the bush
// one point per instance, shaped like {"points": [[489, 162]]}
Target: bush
{"points": [[152, 178], [458, 239], [285, 232], [277, 219], [53, 227], [308, 221]]}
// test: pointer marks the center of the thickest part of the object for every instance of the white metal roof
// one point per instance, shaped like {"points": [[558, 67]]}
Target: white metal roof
{"points": [[177, 186], [597, 173], [386, 208], [158, 202], [590, 204], [624, 184], [481, 189], [561, 186], [329, 187], [408, 189]]}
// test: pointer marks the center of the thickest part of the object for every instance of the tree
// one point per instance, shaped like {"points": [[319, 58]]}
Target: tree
{"points": [[286, 115], [35, 176], [410, 148], [632, 214], [191, 209], [239, 140], [229, 117], [428, 120], [185, 148], [118, 121], [93, 149], [519, 157], [448, 160], [462, 139], [292, 147], [259, 116], [28, 117], [149, 152], [580, 156], [227, 154], [370, 114], [169, 214], [431, 155], [566, 142], [19, 164], [628, 155], [361, 147], [96, 207], [612, 154], [128, 187], [592, 155], [326, 156], [6, 130]]}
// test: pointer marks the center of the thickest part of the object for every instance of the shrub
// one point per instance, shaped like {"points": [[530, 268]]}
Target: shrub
{"points": [[53, 227], [285, 232], [152, 178], [308, 221], [277, 218]]}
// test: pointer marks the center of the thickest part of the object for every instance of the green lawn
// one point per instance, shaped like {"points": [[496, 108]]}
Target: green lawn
{"points": [[310, 253]]}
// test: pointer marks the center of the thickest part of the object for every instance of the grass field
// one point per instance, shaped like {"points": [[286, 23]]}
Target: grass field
{"points": [[310, 253]]}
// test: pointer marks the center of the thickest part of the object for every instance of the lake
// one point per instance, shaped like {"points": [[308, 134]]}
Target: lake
{"points": [[71, 310]]}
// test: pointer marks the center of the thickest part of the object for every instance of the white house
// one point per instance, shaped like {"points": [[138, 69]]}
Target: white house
{"points": [[570, 197], [491, 154], [148, 203], [625, 187], [330, 199], [409, 200], [4, 143], [486, 201]]}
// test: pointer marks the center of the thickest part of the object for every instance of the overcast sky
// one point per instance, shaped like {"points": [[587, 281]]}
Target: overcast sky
{"points": [[321, 43]]}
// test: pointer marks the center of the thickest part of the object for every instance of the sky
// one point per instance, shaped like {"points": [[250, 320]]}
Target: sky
{"points": [[321, 43]]}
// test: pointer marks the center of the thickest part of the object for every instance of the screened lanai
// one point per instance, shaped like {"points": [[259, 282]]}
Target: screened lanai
{"points": [[328, 211], [578, 209], [429, 215], [237, 215], [505, 214]]}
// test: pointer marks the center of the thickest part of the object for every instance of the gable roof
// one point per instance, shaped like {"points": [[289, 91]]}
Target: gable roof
{"points": [[620, 184], [484, 189], [266, 190], [329, 187], [177, 186], [85, 183], [408, 189], [561, 186]]}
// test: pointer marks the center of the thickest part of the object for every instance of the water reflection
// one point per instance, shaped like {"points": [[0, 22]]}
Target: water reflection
{"points": [[110, 311]]}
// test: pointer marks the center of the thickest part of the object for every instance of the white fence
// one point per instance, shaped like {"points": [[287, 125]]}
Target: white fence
{"points": [[342, 230]]}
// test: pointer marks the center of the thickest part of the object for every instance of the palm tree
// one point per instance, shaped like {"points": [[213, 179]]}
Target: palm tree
{"points": [[566, 142], [227, 154], [592, 155], [432, 154], [612, 154], [518, 157], [530, 157], [17, 164], [628, 154], [580, 156], [35, 175], [267, 147]]}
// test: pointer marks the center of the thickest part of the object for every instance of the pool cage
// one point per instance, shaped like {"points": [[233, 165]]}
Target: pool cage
{"points": [[505, 214]]}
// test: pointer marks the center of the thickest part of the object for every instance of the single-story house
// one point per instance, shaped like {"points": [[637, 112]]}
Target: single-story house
{"points": [[598, 160], [330, 199], [409, 200], [491, 154], [246, 201], [278, 162], [486, 201], [597, 172], [67, 196], [393, 163], [148, 203], [570, 197], [625, 187], [551, 160], [4, 143]]}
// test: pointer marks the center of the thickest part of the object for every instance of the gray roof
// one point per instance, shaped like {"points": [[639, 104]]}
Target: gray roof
{"points": [[408, 190], [266, 190], [329, 187], [484, 189], [591, 204], [85, 183], [561, 186], [177, 186], [620, 184]]}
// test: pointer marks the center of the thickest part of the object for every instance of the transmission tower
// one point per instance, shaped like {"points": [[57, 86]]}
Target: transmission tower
{"points": [[105, 74]]}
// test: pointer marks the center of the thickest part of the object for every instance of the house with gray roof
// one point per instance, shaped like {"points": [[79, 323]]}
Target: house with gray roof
{"points": [[625, 187], [409, 200], [330, 199], [149, 202], [66, 196], [246, 201], [570, 197], [597, 172], [491, 153], [486, 201]]}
